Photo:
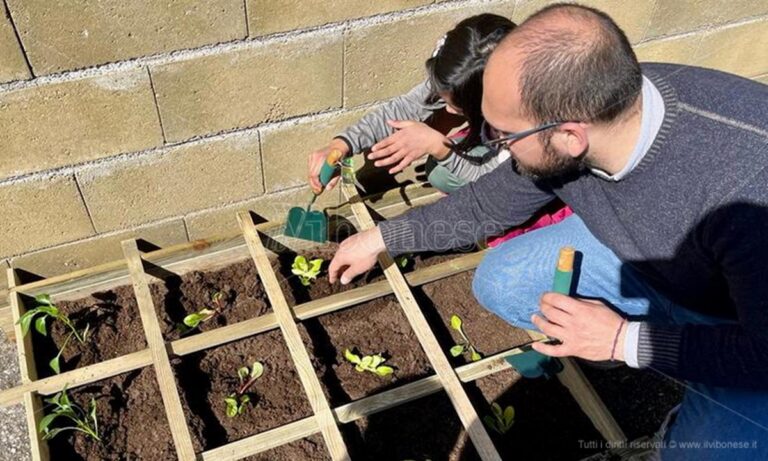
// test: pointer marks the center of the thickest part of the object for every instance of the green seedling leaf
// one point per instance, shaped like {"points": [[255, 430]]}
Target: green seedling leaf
{"points": [[366, 361], [402, 261], [44, 299], [54, 364], [307, 271], [232, 406], [42, 427], [476, 356], [509, 415], [26, 320], [384, 370], [355, 359], [490, 421], [496, 409], [62, 407], [217, 297], [457, 350], [314, 265], [456, 322], [242, 373], [501, 420], [257, 369], [92, 414]]}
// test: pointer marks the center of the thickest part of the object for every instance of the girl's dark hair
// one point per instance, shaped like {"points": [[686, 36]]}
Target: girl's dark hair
{"points": [[457, 66]]}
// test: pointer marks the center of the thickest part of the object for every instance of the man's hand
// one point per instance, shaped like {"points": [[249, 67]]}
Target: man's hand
{"points": [[315, 163], [356, 255], [410, 142], [585, 327]]}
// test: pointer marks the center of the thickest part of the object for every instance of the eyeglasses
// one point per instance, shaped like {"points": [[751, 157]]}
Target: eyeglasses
{"points": [[493, 138]]}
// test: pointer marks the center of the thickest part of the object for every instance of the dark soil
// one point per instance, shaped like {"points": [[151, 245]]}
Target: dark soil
{"points": [[178, 296], [115, 330], [208, 377], [374, 327], [548, 424], [296, 293], [132, 422]]}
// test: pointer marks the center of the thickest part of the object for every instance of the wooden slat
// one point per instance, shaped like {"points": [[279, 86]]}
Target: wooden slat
{"points": [[85, 375], [426, 337], [353, 411], [33, 405], [290, 331], [162, 365], [234, 332], [585, 395]]}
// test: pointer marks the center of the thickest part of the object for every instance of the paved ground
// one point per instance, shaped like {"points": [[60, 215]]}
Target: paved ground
{"points": [[14, 444]]}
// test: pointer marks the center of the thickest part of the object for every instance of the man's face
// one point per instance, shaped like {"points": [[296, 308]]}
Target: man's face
{"points": [[536, 156]]}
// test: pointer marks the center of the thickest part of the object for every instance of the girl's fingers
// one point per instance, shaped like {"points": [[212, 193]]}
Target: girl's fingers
{"points": [[401, 166], [392, 159], [555, 315]]}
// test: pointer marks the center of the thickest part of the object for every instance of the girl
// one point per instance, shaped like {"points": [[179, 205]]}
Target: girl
{"points": [[395, 133]]}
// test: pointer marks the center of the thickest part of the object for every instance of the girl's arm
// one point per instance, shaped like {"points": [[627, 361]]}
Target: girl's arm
{"points": [[373, 126], [473, 164]]}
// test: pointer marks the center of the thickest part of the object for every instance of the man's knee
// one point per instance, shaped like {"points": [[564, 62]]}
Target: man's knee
{"points": [[495, 289]]}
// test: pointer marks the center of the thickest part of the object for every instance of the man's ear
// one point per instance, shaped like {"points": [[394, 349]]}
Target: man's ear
{"points": [[573, 138]]}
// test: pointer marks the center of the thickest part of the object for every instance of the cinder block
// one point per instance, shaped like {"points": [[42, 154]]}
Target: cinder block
{"points": [[632, 17], [12, 63], [285, 147], [387, 59], [173, 181], [741, 49], [679, 50], [674, 17], [97, 250], [246, 87], [66, 123], [268, 16], [41, 213], [71, 34]]}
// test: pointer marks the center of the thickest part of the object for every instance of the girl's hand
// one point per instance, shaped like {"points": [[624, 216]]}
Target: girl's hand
{"points": [[315, 163], [410, 142]]}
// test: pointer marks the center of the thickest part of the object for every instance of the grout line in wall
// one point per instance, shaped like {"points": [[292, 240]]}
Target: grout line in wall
{"points": [[703, 30], [186, 229], [261, 164], [85, 203], [344, 37], [157, 106], [18, 39], [324, 31], [228, 134], [247, 26]]}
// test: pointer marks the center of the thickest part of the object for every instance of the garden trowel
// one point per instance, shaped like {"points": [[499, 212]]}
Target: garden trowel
{"points": [[313, 225]]}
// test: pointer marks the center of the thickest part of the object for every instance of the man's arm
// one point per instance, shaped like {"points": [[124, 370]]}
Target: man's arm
{"points": [[494, 203], [373, 126], [736, 237]]}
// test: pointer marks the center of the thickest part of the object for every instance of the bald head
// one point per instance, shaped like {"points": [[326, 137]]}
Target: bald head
{"points": [[566, 62]]}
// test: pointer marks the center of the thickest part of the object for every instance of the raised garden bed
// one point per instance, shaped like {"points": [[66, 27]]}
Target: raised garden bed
{"points": [[204, 363]]}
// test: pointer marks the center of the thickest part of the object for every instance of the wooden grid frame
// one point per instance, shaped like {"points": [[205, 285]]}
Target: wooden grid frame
{"points": [[325, 419]]}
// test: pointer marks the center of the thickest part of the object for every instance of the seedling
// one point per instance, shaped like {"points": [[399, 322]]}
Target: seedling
{"points": [[466, 345], [502, 420], [84, 421], [403, 260], [43, 310], [306, 270], [238, 401], [372, 363], [193, 321]]}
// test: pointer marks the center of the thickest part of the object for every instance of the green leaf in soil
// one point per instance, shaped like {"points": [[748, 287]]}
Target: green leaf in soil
{"points": [[455, 322], [232, 406], [353, 358], [40, 325], [257, 369], [384, 370], [476, 356], [457, 350]]}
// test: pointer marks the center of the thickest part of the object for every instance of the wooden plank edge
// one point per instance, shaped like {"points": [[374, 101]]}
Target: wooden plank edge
{"points": [[299, 355], [182, 439], [33, 407], [234, 332], [353, 411], [426, 337]]}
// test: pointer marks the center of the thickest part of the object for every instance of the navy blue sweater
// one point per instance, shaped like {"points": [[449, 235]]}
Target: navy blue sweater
{"points": [[692, 217]]}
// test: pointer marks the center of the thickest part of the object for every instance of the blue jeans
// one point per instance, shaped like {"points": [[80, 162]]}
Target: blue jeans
{"points": [[727, 423]]}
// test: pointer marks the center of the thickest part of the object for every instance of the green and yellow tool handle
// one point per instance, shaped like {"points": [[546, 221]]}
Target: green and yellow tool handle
{"points": [[330, 165]]}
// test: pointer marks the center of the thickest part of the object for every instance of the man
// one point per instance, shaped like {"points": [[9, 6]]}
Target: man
{"points": [[666, 167]]}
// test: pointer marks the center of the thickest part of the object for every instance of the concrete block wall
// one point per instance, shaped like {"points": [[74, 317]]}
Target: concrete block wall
{"points": [[158, 120]]}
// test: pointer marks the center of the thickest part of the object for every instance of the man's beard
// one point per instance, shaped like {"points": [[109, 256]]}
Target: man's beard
{"points": [[553, 165]]}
